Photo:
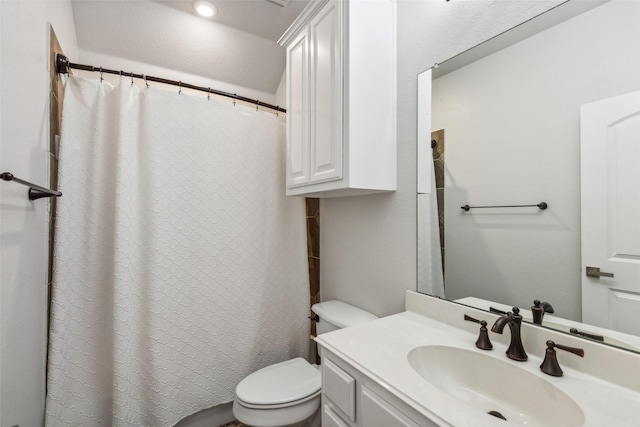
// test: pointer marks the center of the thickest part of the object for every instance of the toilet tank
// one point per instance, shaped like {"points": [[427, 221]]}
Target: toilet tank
{"points": [[337, 315]]}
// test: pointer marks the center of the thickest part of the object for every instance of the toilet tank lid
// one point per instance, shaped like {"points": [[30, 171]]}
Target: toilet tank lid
{"points": [[342, 314]]}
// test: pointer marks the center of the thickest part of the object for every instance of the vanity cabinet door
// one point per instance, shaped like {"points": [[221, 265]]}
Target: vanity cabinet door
{"points": [[331, 419], [376, 412], [339, 387]]}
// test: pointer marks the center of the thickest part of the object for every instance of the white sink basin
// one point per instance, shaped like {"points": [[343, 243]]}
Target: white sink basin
{"points": [[490, 384]]}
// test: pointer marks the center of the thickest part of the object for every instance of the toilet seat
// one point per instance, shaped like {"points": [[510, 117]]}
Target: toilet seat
{"points": [[278, 406], [280, 385]]}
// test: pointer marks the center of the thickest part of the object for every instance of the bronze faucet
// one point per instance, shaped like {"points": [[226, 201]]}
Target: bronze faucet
{"points": [[514, 320]]}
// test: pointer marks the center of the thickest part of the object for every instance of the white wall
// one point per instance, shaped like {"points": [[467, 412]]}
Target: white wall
{"points": [[368, 243], [281, 93], [24, 151], [512, 132]]}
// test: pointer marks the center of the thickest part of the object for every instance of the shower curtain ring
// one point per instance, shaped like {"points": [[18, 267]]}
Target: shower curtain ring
{"points": [[180, 86], [132, 79], [209, 95], [257, 103], [144, 77], [101, 79], [277, 111], [234, 99]]}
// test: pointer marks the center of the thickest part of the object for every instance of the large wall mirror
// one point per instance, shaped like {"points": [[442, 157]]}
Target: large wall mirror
{"points": [[548, 112]]}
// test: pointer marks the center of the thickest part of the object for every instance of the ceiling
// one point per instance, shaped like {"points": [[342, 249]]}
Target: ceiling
{"points": [[237, 46]]}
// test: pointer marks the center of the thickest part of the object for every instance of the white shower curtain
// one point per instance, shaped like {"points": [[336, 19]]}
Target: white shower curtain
{"points": [[180, 266]]}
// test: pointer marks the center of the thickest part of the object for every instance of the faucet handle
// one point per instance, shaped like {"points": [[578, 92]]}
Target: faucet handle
{"points": [[550, 365], [574, 331], [497, 311], [470, 319], [483, 342], [544, 305]]}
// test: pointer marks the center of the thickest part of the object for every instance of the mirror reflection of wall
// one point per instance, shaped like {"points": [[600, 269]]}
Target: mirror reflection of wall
{"points": [[512, 121]]}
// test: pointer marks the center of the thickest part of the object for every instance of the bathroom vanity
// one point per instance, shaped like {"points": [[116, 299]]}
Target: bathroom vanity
{"points": [[422, 368]]}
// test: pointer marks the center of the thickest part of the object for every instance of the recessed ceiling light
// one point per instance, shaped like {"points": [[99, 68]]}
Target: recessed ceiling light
{"points": [[204, 8]]}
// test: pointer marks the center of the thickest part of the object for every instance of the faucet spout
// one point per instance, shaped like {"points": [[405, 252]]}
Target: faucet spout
{"points": [[514, 320], [500, 323]]}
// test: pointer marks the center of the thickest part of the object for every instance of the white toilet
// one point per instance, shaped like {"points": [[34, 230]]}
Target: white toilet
{"points": [[288, 393]]}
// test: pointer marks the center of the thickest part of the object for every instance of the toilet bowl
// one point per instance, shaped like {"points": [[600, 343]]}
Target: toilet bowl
{"points": [[288, 393]]}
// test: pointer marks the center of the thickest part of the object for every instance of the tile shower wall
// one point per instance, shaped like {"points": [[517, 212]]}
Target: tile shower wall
{"points": [[437, 139], [313, 247], [313, 253], [56, 92]]}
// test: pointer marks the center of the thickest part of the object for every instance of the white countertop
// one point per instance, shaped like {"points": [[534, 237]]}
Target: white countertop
{"points": [[379, 349]]}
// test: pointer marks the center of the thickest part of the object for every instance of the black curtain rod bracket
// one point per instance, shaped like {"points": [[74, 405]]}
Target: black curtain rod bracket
{"points": [[541, 205], [63, 66], [35, 191]]}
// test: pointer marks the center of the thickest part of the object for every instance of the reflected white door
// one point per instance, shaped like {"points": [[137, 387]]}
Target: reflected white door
{"points": [[610, 181]]}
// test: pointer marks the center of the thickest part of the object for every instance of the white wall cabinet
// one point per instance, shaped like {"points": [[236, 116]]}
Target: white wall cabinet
{"points": [[341, 99], [351, 399]]}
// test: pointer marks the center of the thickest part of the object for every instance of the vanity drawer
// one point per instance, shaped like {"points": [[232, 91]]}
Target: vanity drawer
{"points": [[340, 388]]}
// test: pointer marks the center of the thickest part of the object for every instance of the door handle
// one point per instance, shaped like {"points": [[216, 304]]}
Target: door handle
{"points": [[595, 272]]}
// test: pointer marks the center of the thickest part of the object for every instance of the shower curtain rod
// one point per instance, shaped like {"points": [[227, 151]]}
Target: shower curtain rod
{"points": [[63, 66]]}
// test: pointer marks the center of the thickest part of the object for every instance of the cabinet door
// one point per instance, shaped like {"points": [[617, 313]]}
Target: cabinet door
{"points": [[376, 412], [298, 111], [339, 387], [326, 94], [331, 419]]}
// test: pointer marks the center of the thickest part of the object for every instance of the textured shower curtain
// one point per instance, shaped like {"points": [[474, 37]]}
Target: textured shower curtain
{"points": [[180, 266]]}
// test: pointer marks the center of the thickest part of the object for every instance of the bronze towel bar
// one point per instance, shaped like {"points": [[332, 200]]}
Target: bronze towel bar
{"points": [[35, 191]]}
